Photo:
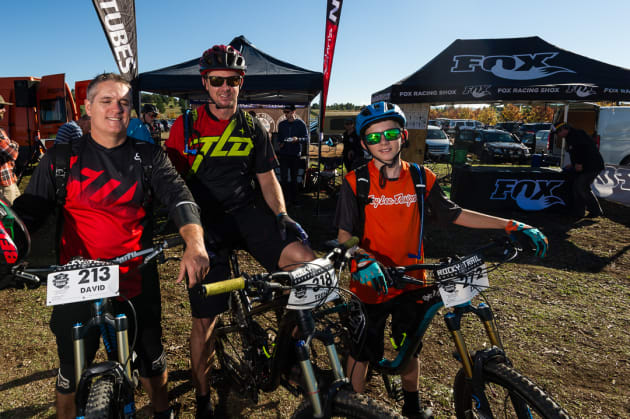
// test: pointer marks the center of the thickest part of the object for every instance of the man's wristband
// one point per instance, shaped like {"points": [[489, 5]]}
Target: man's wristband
{"points": [[281, 214]]}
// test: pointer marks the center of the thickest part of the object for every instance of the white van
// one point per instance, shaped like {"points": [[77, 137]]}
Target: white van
{"points": [[609, 125]]}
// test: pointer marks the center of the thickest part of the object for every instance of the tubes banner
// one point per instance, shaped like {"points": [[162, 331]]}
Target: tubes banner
{"points": [[118, 18], [333, 14]]}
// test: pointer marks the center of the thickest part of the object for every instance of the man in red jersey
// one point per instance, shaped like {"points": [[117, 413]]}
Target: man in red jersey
{"points": [[229, 165], [106, 212]]}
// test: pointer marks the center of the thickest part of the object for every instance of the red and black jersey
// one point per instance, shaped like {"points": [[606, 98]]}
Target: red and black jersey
{"points": [[225, 179], [392, 221], [104, 214]]}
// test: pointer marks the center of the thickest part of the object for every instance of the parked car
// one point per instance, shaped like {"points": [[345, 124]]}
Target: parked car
{"points": [[437, 143], [509, 126], [532, 128], [542, 140], [460, 124], [492, 145]]}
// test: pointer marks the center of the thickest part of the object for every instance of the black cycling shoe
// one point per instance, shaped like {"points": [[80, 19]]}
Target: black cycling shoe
{"points": [[171, 413], [204, 408]]}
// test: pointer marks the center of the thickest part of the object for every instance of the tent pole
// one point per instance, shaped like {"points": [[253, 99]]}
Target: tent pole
{"points": [[566, 119], [320, 136]]}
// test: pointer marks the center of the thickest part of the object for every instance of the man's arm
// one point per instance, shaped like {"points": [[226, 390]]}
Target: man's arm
{"points": [[272, 192], [473, 219], [8, 150]]}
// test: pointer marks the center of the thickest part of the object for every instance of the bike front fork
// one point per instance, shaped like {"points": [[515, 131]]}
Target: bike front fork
{"points": [[453, 323], [121, 326]]}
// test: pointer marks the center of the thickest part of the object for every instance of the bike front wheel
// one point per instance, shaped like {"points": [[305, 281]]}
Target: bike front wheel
{"points": [[347, 404], [509, 394], [100, 402]]}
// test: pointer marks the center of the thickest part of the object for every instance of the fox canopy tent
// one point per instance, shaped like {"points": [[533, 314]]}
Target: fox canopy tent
{"points": [[267, 80], [511, 69]]}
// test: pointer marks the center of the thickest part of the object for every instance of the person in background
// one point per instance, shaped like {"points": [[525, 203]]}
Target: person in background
{"points": [[352, 150], [586, 163], [9, 151], [292, 133], [68, 132], [149, 115], [84, 124]]}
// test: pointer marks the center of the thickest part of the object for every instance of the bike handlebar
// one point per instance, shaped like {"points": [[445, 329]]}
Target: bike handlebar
{"points": [[338, 256]]}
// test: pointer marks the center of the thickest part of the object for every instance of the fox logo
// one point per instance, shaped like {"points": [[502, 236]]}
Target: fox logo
{"points": [[510, 67], [477, 91], [529, 195]]}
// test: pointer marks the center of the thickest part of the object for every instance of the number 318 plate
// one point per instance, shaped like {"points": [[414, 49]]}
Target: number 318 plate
{"points": [[84, 284]]}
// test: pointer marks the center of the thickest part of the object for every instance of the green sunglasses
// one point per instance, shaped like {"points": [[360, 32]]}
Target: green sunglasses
{"points": [[391, 134]]}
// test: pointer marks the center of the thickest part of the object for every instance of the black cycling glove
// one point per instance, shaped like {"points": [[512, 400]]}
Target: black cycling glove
{"points": [[287, 223]]}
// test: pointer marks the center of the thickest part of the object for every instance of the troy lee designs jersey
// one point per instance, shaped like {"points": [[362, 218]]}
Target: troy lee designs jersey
{"points": [[225, 175]]}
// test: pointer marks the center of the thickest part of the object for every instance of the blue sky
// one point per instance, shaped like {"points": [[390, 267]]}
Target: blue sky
{"points": [[379, 42]]}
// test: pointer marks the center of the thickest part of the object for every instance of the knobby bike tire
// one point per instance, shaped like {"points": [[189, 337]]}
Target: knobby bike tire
{"points": [[100, 401], [230, 346], [510, 395], [348, 404]]}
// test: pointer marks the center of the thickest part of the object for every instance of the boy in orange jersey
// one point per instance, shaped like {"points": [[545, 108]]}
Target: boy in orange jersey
{"points": [[387, 213]]}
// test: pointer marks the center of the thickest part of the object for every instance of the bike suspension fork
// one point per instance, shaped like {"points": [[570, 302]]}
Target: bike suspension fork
{"points": [[485, 315], [453, 323], [78, 346], [122, 340], [310, 381]]}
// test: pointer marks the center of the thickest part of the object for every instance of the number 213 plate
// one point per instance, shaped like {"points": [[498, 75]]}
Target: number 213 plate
{"points": [[83, 284]]}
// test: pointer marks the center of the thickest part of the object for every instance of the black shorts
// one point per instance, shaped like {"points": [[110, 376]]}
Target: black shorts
{"points": [[151, 355], [407, 311], [252, 228]]}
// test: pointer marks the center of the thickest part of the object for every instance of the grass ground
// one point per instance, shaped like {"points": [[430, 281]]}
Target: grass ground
{"points": [[564, 321]]}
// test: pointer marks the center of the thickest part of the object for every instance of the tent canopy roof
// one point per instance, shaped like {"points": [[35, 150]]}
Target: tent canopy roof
{"points": [[509, 69], [268, 80]]}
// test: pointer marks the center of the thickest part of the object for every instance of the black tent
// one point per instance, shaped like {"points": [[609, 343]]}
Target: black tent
{"points": [[267, 81], [511, 69]]}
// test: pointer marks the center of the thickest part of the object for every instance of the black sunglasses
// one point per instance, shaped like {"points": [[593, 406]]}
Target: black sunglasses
{"points": [[1, 106], [216, 81]]}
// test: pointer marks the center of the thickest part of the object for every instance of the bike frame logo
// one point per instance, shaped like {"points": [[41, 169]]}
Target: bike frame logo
{"points": [[510, 67], [529, 194]]}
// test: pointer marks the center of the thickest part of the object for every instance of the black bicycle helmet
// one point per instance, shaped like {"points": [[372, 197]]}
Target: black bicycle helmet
{"points": [[222, 57], [149, 107]]}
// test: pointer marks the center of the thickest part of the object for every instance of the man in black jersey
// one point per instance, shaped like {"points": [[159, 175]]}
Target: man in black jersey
{"points": [[106, 213], [229, 164]]}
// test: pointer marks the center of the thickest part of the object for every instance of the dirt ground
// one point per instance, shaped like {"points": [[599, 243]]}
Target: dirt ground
{"points": [[563, 320]]}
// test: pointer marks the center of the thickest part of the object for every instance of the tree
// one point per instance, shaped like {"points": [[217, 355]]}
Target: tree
{"points": [[511, 113], [487, 115]]}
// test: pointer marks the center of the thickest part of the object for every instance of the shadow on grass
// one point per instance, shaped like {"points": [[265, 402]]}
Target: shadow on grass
{"points": [[28, 412], [39, 375]]}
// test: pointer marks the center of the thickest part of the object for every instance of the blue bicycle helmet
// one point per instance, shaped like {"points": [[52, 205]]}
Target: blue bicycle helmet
{"points": [[379, 111]]}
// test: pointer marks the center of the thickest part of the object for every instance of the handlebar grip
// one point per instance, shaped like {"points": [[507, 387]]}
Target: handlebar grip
{"points": [[351, 242], [173, 242], [222, 287]]}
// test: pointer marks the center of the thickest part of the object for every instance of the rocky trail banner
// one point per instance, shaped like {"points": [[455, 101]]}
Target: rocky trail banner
{"points": [[118, 18], [333, 14]]}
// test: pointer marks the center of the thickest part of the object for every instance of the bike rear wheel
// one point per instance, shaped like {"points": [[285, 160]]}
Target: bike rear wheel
{"points": [[510, 395], [100, 401], [347, 404]]}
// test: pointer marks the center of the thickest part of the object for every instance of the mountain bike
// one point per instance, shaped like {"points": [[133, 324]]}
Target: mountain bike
{"points": [[487, 385], [271, 334], [106, 389]]}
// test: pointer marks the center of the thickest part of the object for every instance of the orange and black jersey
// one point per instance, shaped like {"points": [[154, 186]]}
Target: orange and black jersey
{"points": [[104, 214], [392, 220], [224, 167]]}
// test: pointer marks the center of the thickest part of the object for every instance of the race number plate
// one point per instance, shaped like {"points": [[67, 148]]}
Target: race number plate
{"points": [[313, 284], [86, 283], [461, 281]]}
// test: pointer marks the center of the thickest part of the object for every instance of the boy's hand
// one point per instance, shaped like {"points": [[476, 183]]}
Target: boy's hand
{"points": [[368, 272], [533, 235]]}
